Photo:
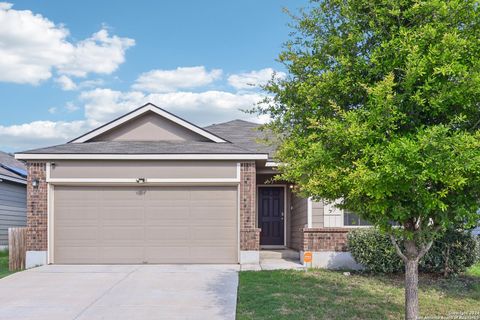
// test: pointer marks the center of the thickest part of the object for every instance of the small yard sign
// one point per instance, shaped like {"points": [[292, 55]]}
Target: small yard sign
{"points": [[307, 257]]}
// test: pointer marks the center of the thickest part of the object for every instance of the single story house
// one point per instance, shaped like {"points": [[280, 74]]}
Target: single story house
{"points": [[13, 195], [151, 187]]}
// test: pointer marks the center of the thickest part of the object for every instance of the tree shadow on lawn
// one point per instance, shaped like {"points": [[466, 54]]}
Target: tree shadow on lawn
{"points": [[452, 286], [315, 295], [438, 296]]}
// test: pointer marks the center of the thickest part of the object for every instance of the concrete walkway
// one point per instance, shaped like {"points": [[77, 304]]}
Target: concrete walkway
{"points": [[121, 292]]}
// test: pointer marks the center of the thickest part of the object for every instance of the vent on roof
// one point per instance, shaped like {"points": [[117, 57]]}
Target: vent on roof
{"points": [[19, 171]]}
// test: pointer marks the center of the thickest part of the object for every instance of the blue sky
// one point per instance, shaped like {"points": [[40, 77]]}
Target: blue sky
{"points": [[67, 66]]}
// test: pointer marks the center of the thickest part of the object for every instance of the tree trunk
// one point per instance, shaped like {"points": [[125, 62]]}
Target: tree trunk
{"points": [[411, 257], [411, 289]]}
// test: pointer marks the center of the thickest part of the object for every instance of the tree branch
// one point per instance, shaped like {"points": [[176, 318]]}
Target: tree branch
{"points": [[397, 248], [424, 250]]}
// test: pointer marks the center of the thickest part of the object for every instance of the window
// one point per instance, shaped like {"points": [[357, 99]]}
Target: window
{"points": [[351, 219]]}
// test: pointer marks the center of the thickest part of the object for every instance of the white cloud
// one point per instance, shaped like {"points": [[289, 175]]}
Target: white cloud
{"points": [[102, 105], [66, 83], [40, 133], [71, 107], [52, 110], [253, 79], [31, 46], [98, 54], [172, 80]]}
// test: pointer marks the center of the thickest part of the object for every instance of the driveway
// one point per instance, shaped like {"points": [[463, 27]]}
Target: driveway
{"points": [[121, 292]]}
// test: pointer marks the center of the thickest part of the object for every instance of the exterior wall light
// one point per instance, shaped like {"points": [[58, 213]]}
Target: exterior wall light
{"points": [[35, 183]]}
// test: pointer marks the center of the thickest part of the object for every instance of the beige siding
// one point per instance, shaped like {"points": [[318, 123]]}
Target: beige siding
{"points": [[145, 169], [145, 225], [298, 221], [149, 127], [317, 215], [333, 216]]}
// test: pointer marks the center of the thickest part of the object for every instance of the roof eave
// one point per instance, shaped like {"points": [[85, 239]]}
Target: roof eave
{"points": [[186, 156], [13, 179]]}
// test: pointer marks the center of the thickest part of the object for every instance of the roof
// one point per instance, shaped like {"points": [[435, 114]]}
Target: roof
{"points": [[12, 169], [236, 137], [142, 147], [149, 107], [244, 134]]}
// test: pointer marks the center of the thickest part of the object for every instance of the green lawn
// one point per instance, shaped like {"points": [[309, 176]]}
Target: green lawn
{"points": [[323, 294], [4, 264]]}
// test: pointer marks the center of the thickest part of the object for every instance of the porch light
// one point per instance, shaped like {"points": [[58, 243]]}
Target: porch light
{"points": [[35, 183]]}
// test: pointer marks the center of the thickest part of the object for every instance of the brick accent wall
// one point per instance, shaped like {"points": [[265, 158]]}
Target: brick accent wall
{"points": [[325, 239], [36, 208], [249, 233]]}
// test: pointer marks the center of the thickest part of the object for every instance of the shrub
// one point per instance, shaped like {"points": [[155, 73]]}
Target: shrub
{"points": [[477, 248], [374, 251], [451, 254]]}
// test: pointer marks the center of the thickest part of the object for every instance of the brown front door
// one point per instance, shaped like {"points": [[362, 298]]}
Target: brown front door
{"points": [[271, 215]]}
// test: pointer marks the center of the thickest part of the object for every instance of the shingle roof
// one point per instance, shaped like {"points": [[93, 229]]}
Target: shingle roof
{"points": [[8, 161], [244, 134], [143, 147], [243, 138]]}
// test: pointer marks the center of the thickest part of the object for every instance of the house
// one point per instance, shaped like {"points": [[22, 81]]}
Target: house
{"points": [[151, 187], [13, 195]]}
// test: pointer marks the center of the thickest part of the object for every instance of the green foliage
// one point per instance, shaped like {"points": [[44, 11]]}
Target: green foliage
{"points": [[451, 254], [374, 249], [477, 249], [380, 108]]}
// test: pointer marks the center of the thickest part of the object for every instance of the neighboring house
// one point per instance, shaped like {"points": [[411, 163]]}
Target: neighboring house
{"points": [[13, 195], [150, 187]]}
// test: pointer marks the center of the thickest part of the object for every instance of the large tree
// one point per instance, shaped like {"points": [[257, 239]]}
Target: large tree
{"points": [[381, 108]]}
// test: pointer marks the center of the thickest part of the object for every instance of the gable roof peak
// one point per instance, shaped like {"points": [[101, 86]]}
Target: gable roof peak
{"points": [[148, 107]]}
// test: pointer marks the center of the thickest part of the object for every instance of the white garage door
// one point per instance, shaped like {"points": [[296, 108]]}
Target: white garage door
{"points": [[145, 225]]}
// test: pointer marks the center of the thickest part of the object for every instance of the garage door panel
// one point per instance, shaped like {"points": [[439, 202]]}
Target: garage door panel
{"points": [[159, 214], [123, 254], [75, 254], [221, 234], [76, 233], [140, 224], [167, 195], [121, 216], [168, 233], [123, 233]]}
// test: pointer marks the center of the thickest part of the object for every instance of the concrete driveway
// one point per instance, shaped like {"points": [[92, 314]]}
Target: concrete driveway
{"points": [[121, 292]]}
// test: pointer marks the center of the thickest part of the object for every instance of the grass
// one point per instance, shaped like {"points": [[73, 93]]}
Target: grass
{"points": [[324, 294], [474, 270], [4, 264]]}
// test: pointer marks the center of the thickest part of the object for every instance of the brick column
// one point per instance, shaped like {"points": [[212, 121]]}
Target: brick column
{"points": [[249, 233], [36, 207]]}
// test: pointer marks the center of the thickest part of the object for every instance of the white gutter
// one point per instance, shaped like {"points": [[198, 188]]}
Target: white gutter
{"points": [[52, 156], [17, 180]]}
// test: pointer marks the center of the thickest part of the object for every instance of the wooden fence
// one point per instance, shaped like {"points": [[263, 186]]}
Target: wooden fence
{"points": [[17, 248]]}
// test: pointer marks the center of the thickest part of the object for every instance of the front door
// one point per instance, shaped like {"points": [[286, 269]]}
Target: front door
{"points": [[271, 215]]}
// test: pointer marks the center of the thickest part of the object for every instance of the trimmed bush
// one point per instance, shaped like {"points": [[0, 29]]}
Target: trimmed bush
{"points": [[374, 251], [451, 254]]}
